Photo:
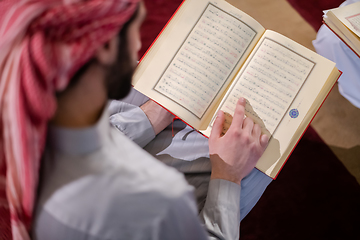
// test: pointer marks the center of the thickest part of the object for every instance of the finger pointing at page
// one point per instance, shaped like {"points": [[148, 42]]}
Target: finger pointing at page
{"points": [[235, 154]]}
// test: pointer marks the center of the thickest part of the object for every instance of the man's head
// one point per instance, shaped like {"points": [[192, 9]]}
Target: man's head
{"points": [[118, 57]]}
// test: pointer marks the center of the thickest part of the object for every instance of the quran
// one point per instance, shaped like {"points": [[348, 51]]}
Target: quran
{"points": [[344, 21], [211, 53]]}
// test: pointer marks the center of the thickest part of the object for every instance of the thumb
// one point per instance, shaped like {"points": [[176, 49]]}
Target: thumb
{"points": [[218, 125]]}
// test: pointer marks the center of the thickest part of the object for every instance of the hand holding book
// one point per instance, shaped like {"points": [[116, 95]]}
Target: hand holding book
{"points": [[234, 154]]}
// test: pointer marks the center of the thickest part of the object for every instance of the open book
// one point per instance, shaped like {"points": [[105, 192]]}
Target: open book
{"points": [[345, 23], [211, 53]]}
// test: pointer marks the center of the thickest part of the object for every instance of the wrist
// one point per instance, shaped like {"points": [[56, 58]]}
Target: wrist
{"points": [[225, 177], [159, 117]]}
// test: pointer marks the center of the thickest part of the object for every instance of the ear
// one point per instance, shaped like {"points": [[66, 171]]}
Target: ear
{"points": [[107, 53]]}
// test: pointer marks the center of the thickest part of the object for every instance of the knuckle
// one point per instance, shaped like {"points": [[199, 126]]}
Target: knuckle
{"points": [[240, 110], [237, 133], [246, 138], [249, 121], [254, 149]]}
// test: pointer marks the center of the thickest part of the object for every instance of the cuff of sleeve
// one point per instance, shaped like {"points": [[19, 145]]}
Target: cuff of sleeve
{"points": [[223, 193], [133, 122], [221, 213]]}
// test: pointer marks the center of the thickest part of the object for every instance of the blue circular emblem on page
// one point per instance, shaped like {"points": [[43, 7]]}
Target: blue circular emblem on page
{"points": [[294, 113]]}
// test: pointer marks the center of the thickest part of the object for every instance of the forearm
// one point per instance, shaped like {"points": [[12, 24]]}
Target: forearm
{"points": [[131, 121], [221, 213], [140, 124], [159, 117]]}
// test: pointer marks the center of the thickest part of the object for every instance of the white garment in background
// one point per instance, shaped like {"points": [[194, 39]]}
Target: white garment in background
{"points": [[330, 46]]}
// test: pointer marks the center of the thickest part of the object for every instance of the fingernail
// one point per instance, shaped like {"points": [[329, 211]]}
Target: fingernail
{"points": [[242, 100]]}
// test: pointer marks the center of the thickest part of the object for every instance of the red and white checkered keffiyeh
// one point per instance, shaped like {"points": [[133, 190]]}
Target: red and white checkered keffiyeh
{"points": [[42, 44]]}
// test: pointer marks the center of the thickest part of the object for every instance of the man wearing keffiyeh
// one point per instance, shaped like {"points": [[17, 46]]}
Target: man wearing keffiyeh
{"points": [[60, 61]]}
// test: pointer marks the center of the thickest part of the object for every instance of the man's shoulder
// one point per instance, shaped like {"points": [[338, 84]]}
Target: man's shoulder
{"points": [[117, 207], [130, 191], [120, 170]]}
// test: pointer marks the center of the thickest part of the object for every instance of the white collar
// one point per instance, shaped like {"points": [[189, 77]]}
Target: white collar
{"points": [[79, 141]]}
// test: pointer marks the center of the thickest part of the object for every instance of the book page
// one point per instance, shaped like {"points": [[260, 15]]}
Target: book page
{"points": [[205, 60], [192, 80], [354, 21], [350, 16], [270, 82], [284, 83]]}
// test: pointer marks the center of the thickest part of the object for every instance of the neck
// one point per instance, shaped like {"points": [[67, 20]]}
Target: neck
{"points": [[82, 104]]}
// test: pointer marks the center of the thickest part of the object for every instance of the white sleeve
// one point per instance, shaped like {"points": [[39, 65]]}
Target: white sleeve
{"points": [[182, 220], [132, 121], [221, 213], [328, 45]]}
